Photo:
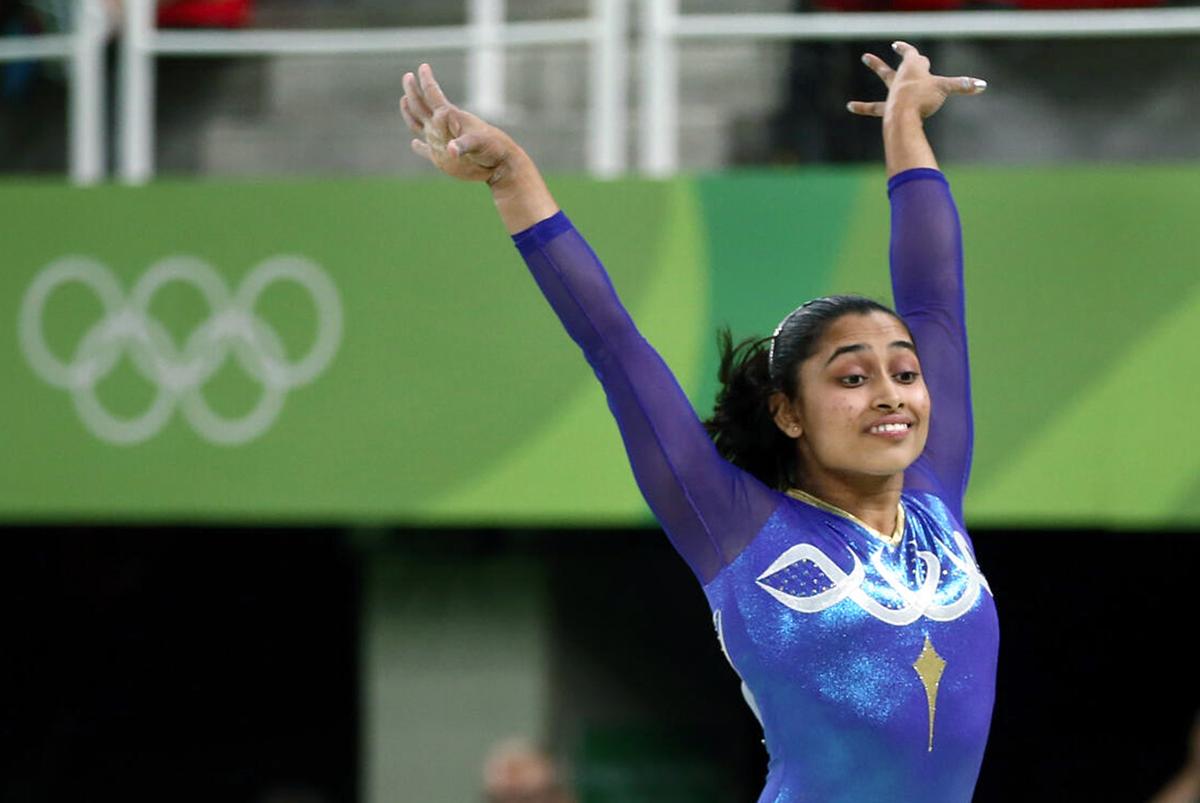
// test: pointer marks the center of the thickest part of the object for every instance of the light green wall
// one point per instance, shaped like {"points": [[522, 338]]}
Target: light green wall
{"points": [[453, 396]]}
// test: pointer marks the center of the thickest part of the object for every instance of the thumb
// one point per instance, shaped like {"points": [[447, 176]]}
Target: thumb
{"points": [[484, 146], [467, 143], [468, 133], [963, 85]]}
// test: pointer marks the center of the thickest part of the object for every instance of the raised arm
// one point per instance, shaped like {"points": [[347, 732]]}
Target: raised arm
{"points": [[927, 263], [708, 508]]}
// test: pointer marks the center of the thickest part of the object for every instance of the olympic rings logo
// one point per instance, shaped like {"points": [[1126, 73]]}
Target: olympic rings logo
{"points": [[180, 374]]}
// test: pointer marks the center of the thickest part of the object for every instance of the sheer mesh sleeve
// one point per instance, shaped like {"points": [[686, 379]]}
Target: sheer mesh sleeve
{"points": [[709, 508], [927, 284]]}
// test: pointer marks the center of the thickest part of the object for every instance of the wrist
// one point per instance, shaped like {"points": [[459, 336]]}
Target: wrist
{"points": [[519, 192], [899, 114], [905, 145], [513, 172]]}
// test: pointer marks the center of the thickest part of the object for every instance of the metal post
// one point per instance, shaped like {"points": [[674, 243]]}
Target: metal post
{"points": [[659, 122], [86, 124], [137, 92], [608, 123], [485, 59]]}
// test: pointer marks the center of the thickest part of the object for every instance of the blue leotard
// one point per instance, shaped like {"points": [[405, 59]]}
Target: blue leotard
{"points": [[869, 659]]}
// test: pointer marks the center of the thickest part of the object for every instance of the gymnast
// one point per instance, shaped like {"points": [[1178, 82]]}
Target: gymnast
{"points": [[820, 506]]}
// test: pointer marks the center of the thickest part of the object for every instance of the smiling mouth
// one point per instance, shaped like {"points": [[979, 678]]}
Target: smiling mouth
{"points": [[889, 429]]}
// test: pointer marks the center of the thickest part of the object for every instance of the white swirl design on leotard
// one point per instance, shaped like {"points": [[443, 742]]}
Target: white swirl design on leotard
{"points": [[915, 603]]}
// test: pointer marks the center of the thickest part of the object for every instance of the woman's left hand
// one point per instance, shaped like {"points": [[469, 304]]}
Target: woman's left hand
{"points": [[911, 86]]}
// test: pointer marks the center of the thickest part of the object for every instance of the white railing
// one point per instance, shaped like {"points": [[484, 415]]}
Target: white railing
{"points": [[664, 27], [483, 38], [83, 50]]}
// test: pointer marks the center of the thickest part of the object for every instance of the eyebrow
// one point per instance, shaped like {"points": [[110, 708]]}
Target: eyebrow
{"points": [[895, 344]]}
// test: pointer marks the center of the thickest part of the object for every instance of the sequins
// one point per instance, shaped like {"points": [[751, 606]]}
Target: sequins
{"points": [[850, 700]]}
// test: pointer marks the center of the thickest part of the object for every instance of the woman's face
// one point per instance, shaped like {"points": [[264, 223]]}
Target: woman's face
{"points": [[862, 406]]}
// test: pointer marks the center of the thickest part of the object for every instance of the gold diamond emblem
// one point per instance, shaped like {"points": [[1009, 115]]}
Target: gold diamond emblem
{"points": [[929, 666]]}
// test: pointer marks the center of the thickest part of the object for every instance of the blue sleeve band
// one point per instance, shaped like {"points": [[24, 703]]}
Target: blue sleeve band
{"points": [[542, 232], [915, 174]]}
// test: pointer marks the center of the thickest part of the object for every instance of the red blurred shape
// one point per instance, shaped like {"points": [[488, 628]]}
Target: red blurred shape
{"points": [[205, 14]]}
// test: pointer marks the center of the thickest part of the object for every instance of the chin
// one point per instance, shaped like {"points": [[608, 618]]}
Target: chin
{"points": [[888, 471], [890, 467]]}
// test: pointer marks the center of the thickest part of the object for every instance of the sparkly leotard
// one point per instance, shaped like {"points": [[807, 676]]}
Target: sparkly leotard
{"points": [[869, 659]]}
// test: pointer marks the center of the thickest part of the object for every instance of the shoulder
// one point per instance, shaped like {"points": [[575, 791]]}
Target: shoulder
{"points": [[791, 524], [932, 509]]}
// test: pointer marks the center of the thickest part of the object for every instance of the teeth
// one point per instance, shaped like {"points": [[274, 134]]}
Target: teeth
{"points": [[889, 428]]}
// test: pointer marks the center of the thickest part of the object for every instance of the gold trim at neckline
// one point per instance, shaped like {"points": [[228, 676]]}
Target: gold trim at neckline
{"points": [[890, 540]]}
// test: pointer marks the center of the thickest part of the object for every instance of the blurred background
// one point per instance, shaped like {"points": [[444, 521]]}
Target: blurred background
{"points": [[386, 547]]}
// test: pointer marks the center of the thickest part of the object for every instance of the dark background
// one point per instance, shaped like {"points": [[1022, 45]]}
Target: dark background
{"points": [[191, 664]]}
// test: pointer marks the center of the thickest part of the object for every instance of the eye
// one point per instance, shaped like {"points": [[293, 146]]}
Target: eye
{"points": [[907, 377], [853, 380]]}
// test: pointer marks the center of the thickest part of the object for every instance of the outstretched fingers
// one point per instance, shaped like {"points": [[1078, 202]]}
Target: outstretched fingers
{"points": [[417, 107], [962, 85], [879, 67], [886, 74], [422, 149], [429, 87], [866, 108], [912, 84], [413, 125]]}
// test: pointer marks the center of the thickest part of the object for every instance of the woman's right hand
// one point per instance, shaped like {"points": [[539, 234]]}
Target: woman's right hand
{"points": [[457, 142], [463, 146]]}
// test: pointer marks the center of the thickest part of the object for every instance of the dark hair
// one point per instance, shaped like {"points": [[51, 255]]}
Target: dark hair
{"points": [[742, 426]]}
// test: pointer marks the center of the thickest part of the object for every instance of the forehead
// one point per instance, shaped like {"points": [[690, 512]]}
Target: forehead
{"points": [[874, 329]]}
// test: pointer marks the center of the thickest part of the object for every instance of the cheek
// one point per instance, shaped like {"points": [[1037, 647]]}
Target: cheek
{"points": [[833, 413], [921, 403], [845, 409]]}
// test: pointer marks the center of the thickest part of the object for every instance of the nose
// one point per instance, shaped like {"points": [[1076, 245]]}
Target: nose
{"points": [[889, 396]]}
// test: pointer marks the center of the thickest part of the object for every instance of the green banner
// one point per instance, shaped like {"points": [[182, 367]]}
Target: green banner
{"points": [[375, 351]]}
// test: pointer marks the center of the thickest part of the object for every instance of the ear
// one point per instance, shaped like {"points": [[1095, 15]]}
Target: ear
{"points": [[784, 415]]}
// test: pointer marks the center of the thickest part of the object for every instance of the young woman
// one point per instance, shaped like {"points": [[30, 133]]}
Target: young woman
{"points": [[821, 505]]}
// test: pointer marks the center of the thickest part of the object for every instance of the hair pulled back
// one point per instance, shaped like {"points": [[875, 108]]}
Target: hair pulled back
{"points": [[742, 425]]}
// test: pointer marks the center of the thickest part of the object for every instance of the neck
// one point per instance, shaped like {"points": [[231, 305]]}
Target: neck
{"points": [[874, 500]]}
